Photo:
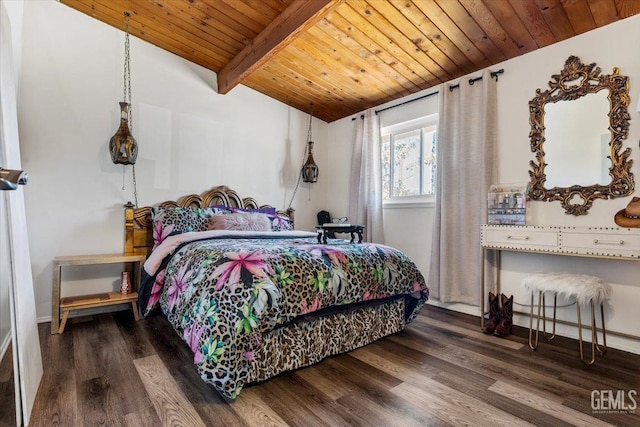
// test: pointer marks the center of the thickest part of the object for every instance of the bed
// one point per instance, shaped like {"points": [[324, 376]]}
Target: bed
{"points": [[253, 300]]}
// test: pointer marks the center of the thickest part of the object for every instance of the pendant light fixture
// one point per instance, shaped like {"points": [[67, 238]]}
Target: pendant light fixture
{"points": [[122, 146], [309, 169]]}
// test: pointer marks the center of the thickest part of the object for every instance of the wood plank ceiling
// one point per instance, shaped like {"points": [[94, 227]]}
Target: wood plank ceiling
{"points": [[340, 57]]}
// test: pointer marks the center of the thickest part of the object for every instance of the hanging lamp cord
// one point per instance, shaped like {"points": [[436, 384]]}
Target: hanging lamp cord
{"points": [[126, 95], [309, 130], [304, 156], [127, 70], [135, 185]]}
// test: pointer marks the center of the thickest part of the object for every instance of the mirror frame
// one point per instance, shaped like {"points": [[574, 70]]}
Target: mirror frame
{"points": [[575, 81]]}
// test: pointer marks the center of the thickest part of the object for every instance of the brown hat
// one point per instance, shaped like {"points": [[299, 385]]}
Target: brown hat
{"points": [[629, 217]]}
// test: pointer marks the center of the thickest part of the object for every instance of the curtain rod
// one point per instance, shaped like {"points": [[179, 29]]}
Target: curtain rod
{"points": [[398, 105], [494, 74], [407, 102]]}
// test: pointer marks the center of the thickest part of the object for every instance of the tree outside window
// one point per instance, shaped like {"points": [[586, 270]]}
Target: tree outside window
{"points": [[409, 159]]}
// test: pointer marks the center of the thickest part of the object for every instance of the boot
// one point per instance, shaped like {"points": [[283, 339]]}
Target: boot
{"points": [[506, 317], [494, 314]]}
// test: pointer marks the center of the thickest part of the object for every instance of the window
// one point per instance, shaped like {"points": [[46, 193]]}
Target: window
{"points": [[409, 158]]}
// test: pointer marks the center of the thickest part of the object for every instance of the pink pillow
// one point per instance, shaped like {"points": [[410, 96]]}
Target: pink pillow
{"points": [[242, 221]]}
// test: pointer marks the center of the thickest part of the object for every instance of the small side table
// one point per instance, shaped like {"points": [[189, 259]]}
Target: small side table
{"points": [[324, 230], [133, 265]]}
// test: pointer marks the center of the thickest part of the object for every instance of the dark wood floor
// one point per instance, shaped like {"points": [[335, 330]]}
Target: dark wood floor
{"points": [[110, 370]]}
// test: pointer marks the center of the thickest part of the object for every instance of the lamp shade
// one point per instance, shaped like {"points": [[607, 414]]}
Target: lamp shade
{"points": [[310, 169], [123, 147]]}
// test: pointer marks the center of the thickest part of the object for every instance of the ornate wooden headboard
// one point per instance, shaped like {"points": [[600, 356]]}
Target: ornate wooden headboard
{"points": [[138, 228]]}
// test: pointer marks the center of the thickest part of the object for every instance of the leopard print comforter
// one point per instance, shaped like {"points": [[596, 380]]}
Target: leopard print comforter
{"points": [[223, 294]]}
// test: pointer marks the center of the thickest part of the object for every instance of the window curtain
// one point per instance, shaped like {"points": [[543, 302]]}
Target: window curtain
{"points": [[365, 200], [466, 158]]}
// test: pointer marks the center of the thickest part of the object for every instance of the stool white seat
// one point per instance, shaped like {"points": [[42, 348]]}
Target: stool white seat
{"points": [[587, 290]]}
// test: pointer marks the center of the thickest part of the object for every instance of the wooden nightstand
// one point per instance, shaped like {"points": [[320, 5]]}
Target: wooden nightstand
{"points": [[133, 265]]}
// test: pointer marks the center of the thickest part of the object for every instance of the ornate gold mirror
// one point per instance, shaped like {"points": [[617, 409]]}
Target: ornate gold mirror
{"points": [[577, 146]]}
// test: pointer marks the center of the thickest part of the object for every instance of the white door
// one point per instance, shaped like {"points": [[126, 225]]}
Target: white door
{"points": [[27, 359]]}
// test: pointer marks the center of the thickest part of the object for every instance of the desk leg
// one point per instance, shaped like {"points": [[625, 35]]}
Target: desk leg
{"points": [[134, 307], [136, 274], [498, 255], [482, 289], [128, 267], [64, 320], [55, 299], [484, 285]]}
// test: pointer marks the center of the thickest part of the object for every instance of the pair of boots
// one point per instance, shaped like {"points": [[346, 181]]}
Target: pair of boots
{"points": [[500, 322]]}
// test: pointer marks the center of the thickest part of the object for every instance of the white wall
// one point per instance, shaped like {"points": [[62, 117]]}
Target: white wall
{"points": [[616, 45], [190, 139]]}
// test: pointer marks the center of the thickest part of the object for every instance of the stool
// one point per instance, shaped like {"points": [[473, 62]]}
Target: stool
{"points": [[585, 289]]}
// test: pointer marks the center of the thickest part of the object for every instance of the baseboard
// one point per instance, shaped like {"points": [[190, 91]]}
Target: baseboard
{"points": [[459, 307], [569, 331], [620, 343]]}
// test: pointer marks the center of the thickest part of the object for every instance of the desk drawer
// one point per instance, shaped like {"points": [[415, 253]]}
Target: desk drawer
{"points": [[520, 238], [601, 243]]}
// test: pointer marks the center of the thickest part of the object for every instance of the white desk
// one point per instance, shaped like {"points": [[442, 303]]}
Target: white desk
{"points": [[594, 242]]}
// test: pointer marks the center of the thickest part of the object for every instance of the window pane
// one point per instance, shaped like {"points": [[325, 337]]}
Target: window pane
{"points": [[409, 159], [386, 166], [406, 164], [429, 160]]}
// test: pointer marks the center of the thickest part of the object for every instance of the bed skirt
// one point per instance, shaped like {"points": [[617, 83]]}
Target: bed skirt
{"points": [[307, 342]]}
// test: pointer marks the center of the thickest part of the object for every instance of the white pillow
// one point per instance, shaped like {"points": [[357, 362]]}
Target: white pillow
{"points": [[242, 221]]}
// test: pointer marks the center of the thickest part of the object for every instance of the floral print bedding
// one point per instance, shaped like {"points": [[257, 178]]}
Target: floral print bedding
{"points": [[223, 293]]}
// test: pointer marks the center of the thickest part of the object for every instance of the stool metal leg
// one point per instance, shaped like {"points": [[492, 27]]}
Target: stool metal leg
{"points": [[602, 350], [593, 338], [594, 332], [541, 307], [544, 316], [533, 346]]}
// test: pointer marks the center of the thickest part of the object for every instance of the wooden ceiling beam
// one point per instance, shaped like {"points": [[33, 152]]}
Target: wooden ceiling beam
{"points": [[297, 18]]}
